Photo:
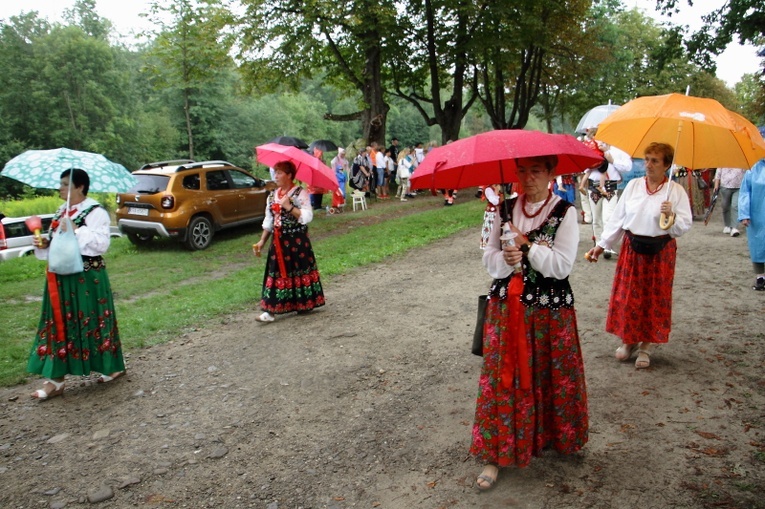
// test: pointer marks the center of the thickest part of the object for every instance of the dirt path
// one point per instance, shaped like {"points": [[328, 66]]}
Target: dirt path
{"points": [[368, 403]]}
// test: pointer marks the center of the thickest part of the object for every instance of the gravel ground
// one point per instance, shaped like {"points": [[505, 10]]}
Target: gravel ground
{"points": [[368, 402]]}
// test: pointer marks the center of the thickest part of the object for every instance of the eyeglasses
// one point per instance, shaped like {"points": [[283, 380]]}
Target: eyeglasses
{"points": [[534, 171]]}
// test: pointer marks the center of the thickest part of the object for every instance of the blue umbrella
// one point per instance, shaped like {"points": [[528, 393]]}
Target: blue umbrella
{"points": [[42, 169]]}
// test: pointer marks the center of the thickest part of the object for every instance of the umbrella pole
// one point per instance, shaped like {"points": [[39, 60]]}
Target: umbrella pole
{"points": [[665, 223]]}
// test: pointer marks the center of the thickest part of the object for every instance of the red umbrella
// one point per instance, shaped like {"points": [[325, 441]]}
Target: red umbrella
{"points": [[489, 158], [310, 169]]}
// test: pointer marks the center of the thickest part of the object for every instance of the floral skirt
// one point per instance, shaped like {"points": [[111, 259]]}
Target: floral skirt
{"points": [[91, 339], [513, 424], [301, 290], [641, 297]]}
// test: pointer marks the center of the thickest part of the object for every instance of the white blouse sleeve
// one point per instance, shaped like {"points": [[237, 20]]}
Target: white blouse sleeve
{"points": [[93, 236], [268, 221]]}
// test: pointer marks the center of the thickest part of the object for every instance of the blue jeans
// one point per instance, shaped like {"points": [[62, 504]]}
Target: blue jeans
{"points": [[380, 176]]}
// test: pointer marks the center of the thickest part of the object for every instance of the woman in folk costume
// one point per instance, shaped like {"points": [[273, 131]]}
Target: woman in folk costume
{"points": [[78, 331], [640, 309], [532, 393], [291, 280], [493, 196]]}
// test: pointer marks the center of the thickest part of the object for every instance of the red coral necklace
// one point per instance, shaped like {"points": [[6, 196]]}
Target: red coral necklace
{"points": [[535, 214], [647, 190]]}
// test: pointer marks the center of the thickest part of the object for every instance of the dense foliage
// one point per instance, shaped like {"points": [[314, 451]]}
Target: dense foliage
{"points": [[212, 82]]}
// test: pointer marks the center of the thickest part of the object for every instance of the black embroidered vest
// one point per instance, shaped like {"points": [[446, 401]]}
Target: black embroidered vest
{"points": [[538, 291]]}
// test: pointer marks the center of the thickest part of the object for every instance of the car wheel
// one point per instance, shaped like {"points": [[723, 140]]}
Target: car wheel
{"points": [[200, 233], [140, 239]]}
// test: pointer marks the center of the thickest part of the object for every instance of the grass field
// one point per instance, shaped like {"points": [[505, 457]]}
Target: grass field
{"points": [[163, 290]]}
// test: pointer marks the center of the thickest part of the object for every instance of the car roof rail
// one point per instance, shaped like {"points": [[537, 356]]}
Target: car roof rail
{"points": [[202, 164], [162, 164]]}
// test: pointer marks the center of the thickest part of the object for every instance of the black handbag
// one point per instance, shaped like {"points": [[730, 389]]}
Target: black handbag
{"points": [[478, 333]]}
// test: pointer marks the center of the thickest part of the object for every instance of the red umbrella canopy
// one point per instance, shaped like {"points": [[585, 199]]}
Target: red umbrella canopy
{"points": [[489, 158], [310, 169]]}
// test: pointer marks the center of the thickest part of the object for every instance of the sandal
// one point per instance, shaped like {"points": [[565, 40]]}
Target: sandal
{"points": [[42, 394], [643, 359], [487, 480], [265, 317], [108, 378], [624, 352]]}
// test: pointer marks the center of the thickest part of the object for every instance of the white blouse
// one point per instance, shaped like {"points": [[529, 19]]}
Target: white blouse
{"points": [[302, 200], [556, 261], [639, 212], [93, 236]]}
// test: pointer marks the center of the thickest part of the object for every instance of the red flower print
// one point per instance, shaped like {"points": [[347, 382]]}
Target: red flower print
{"points": [[61, 353], [42, 350], [306, 280], [280, 283]]}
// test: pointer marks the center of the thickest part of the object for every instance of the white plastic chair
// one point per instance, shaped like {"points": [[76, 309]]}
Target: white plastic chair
{"points": [[359, 199]]}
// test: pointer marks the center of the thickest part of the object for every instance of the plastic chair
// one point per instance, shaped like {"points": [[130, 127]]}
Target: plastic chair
{"points": [[359, 199]]}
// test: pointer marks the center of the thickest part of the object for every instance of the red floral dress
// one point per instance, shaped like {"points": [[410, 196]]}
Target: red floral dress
{"points": [[512, 423]]}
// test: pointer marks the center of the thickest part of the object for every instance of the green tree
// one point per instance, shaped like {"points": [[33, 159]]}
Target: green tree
{"points": [[191, 46], [284, 41]]}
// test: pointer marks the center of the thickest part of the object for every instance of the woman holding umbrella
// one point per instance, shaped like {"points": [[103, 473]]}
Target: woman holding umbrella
{"points": [[640, 309], [291, 281], [532, 393], [78, 330]]}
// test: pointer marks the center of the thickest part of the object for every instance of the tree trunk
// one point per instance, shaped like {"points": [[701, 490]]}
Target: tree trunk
{"points": [[375, 115], [187, 113]]}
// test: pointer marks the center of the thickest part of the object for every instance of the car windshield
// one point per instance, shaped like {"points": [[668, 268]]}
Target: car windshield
{"points": [[150, 184]]}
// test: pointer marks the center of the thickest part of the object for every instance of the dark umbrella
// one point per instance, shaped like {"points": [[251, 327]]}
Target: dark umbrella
{"points": [[323, 145], [289, 141]]}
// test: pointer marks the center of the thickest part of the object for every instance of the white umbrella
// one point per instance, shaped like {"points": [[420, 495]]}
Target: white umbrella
{"points": [[595, 116]]}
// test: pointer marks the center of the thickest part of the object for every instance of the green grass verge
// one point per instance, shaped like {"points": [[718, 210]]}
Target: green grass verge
{"points": [[162, 290]]}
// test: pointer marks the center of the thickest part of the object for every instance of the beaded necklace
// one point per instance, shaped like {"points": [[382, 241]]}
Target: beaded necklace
{"points": [[535, 214], [650, 193]]}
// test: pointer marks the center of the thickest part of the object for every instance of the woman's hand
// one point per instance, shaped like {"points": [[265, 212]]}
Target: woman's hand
{"points": [[257, 248], [40, 242], [666, 208], [286, 203], [746, 222], [512, 255], [592, 255]]}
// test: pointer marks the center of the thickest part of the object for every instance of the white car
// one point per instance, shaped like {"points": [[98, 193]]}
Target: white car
{"points": [[16, 240]]}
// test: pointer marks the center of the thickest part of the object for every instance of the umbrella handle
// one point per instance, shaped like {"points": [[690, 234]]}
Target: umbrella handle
{"points": [[666, 222]]}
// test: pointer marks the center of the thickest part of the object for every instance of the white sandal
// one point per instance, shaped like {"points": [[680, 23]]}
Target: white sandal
{"points": [[58, 390], [643, 359], [266, 317], [624, 352], [108, 378]]}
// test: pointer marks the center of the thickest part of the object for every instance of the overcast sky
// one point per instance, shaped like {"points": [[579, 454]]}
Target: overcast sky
{"points": [[124, 14]]}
